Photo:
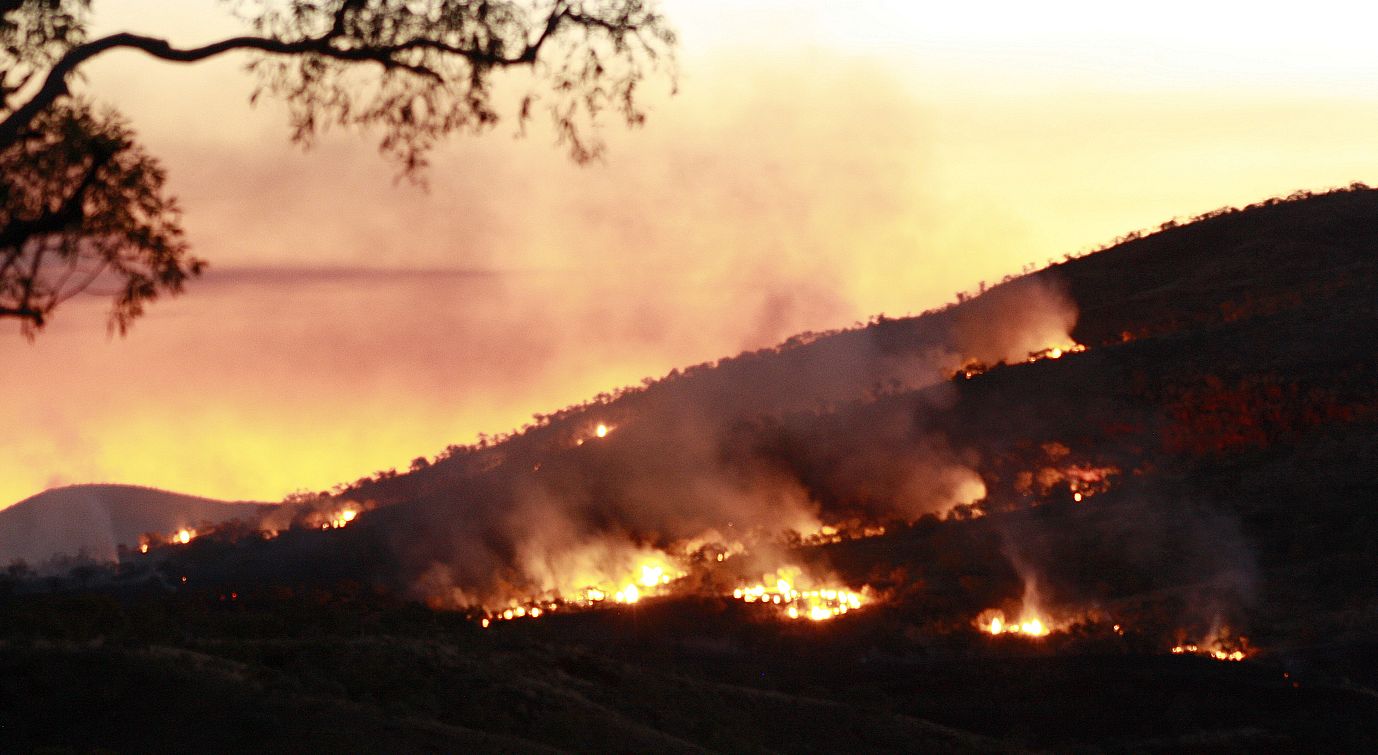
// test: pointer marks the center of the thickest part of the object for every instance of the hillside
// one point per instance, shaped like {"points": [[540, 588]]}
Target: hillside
{"points": [[1193, 485], [97, 519]]}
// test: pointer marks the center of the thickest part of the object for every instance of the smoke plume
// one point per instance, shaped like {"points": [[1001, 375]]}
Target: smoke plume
{"points": [[759, 451]]}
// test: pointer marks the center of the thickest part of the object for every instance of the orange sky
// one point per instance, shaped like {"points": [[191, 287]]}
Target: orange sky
{"points": [[824, 162]]}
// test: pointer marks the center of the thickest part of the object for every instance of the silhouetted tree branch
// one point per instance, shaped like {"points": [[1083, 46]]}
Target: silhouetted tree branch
{"points": [[415, 70]]}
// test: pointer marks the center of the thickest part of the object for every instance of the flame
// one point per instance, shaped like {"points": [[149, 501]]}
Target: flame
{"points": [[651, 577], [1082, 479], [331, 520], [1222, 648], [151, 540], [818, 604], [340, 519], [993, 623], [972, 368], [828, 534], [1057, 352], [600, 430], [653, 574]]}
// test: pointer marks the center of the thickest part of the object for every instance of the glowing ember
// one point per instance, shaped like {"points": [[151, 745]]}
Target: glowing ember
{"points": [[184, 536], [601, 431]]}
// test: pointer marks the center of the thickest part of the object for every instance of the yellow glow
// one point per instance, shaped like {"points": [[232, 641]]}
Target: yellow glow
{"points": [[652, 575], [601, 431]]}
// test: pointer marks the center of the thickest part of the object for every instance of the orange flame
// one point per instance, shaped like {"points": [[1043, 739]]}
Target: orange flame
{"points": [[818, 604]]}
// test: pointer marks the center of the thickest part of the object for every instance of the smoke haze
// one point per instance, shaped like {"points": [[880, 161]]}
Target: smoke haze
{"points": [[745, 456]]}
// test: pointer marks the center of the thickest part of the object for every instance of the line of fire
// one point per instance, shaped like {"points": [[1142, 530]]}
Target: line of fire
{"points": [[777, 575]]}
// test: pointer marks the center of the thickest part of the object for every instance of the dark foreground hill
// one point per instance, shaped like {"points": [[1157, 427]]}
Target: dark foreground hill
{"points": [[1204, 469]]}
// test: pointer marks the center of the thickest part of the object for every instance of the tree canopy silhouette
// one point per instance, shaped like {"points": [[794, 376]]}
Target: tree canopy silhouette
{"points": [[81, 202]]}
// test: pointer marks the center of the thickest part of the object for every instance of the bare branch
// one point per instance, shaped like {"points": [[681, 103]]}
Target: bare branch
{"points": [[78, 196]]}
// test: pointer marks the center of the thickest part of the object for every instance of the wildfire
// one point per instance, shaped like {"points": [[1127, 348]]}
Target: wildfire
{"points": [[340, 519], [650, 578], [1056, 352], [1222, 648], [817, 604], [1083, 480], [1031, 622], [973, 368], [601, 430], [1217, 654], [828, 534], [994, 623], [1086, 481], [338, 515], [151, 540]]}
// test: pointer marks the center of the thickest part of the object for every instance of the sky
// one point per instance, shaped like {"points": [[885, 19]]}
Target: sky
{"points": [[821, 163]]}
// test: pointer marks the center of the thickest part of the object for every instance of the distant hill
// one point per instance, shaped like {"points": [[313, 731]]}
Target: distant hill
{"points": [[97, 519]]}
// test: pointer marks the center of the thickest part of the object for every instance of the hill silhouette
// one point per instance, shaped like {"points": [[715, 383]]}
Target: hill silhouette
{"points": [[1202, 471], [95, 520]]}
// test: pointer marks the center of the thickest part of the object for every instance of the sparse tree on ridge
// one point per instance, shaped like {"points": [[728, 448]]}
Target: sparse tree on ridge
{"points": [[81, 202]]}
